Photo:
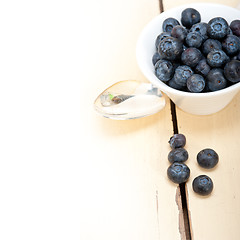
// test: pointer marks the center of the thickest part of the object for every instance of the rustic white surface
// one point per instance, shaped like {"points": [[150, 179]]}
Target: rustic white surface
{"points": [[67, 173]]}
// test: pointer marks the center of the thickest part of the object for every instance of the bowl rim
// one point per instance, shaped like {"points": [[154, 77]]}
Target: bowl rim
{"points": [[154, 80]]}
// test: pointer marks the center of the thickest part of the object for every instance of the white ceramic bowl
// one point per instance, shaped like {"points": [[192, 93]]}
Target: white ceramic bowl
{"points": [[194, 103]]}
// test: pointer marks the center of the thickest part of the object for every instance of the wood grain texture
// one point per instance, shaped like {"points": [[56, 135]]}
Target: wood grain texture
{"points": [[128, 195]]}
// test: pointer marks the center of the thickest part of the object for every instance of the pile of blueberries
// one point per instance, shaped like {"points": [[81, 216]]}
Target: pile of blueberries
{"points": [[178, 172], [198, 56]]}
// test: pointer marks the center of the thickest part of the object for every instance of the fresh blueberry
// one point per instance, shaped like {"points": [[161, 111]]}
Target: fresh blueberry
{"points": [[178, 172], [217, 58], [156, 57], [216, 80], [169, 23], [191, 57], [194, 39], [200, 28], [203, 185], [182, 73], [177, 140], [196, 83], [172, 83], [179, 32], [232, 71], [178, 155], [170, 48], [164, 70], [202, 67], [189, 17], [217, 28], [207, 158], [231, 45], [160, 37], [235, 27], [209, 45]]}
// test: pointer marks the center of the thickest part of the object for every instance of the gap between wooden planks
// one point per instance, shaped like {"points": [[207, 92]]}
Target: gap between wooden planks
{"points": [[181, 196]]}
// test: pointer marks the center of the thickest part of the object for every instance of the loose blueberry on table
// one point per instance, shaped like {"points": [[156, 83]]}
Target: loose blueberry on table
{"points": [[178, 172], [202, 185], [178, 155], [207, 158], [177, 141], [206, 55]]}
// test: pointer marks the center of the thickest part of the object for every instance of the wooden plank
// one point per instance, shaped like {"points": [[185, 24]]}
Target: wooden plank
{"points": [[128, 193]]}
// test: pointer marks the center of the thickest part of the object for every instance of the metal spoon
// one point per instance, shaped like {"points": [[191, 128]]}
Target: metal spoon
{"points": [[129, 99]]}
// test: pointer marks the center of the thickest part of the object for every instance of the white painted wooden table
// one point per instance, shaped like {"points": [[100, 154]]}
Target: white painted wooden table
{"points": [[68, 173]]}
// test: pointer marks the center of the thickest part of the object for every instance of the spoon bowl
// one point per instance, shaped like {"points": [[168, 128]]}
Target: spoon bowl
{"points": [[129, 99]]}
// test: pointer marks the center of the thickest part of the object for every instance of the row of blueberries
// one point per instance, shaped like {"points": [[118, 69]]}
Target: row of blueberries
{"points": [[178, 172], [198, 56]]}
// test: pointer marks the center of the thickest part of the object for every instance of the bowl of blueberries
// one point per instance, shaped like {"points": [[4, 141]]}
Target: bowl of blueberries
{"points": [[192, 53]]}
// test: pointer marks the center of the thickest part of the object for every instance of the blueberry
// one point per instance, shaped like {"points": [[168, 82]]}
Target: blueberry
{"points": [[217, 28], [202, 67], [216, 80], [196, 83], [177, 141], [170, 48], [178, 172], [169, 23], [211, 44], [235, 27], [191, 57], [182, 73], [160, 37], [231, 44], [178, 155], [189, 17], [207, 158], [179, 32], [200, 28], [164, 70], [232, 71], [194, 39], [217, 58], [172, 83], [203, 185], [156, 57]]}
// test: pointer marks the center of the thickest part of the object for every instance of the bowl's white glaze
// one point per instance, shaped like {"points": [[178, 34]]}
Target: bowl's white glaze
{"points": [[194, 103]]}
